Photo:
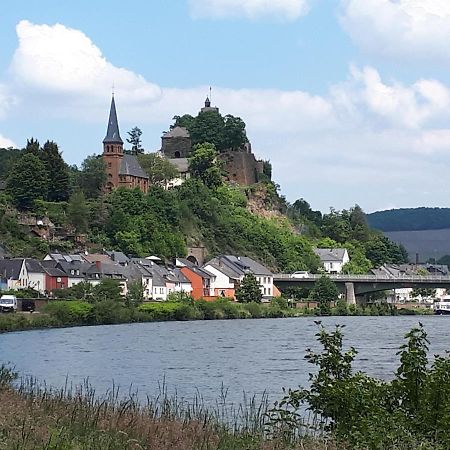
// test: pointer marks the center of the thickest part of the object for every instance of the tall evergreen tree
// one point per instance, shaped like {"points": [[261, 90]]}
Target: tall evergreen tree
{"points": [[78, 212], [135, 140], [58, 172], [33, 147], [93, 176], [28, 181]]}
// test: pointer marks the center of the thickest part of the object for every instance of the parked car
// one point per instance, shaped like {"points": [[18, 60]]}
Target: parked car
{"points": [[300, 274], [8, 303]]}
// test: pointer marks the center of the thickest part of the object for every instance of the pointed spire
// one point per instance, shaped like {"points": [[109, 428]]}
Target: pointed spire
{"points": [[113, 135]]}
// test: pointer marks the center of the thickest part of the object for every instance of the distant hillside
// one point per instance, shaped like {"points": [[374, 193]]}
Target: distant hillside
{"points": [[410, 219]]}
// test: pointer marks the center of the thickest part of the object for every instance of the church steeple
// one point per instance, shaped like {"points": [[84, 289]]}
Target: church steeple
{"points": [[112, 134]]}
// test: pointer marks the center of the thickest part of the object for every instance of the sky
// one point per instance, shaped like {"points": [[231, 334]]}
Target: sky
{"points": [[348, 99]]}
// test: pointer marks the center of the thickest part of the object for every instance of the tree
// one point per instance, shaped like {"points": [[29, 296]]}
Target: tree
{"points": [[203, 164], [135, 140], [93, 176], [78, 212], [185, 121], [33, 147], [208, 127], [159, 170], [107, 289], [57, 171], [249, 290], [135, 294], [28, 181], [325, 292], [234, 135]]}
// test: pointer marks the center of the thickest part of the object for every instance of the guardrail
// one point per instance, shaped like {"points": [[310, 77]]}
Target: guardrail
{"points": [[367, 278]]}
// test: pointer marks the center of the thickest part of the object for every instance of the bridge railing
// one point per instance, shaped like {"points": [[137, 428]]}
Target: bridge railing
{"points": [[366, 278]]}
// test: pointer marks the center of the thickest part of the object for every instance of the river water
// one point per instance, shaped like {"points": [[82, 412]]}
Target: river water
{"points": [[251, 356]]}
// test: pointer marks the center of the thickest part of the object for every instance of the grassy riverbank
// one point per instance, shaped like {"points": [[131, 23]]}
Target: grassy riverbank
{"points": [[32, 417], [58, 314]]}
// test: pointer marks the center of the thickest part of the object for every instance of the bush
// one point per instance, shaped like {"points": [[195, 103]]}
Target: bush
{"points": [[70, 312], [254, 309]]}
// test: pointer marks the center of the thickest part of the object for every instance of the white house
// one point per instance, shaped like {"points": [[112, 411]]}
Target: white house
{"points": [[332, 259]]}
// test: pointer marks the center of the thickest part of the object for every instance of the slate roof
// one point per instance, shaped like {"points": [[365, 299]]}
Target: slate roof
{"points": [[130, 166], [177, 132], [330, 254], [118, 257], [112, 134], [237, 266], [182, 164], [34, 266], [10, 268]]}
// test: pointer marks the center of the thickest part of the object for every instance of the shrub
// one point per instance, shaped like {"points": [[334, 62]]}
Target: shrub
{"points": [[254, 309], [70, 312]]}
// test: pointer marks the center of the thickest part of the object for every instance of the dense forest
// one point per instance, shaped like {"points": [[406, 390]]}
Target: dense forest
{"points": [[410, 219], [204, 211]]}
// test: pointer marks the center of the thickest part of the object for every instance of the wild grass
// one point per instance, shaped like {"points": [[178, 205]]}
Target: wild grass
{"points": [[34, 416]]}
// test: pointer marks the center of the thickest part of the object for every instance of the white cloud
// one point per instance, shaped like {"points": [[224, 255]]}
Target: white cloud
{"points": [[369, 140], [61, 60], [252, 9], [6, 143], [400, 28]]}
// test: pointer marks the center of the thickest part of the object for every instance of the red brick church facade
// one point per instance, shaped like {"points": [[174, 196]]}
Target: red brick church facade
{"points": [[123, 170]]}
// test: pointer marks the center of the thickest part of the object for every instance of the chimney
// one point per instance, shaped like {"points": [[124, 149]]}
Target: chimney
{"points": [[98, 265]]}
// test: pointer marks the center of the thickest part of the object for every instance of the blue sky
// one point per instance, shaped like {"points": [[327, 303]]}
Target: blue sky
{"points": [[350, 100]]}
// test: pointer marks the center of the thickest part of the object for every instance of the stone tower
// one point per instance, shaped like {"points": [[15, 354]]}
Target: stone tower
{"points": [[112, 149]]}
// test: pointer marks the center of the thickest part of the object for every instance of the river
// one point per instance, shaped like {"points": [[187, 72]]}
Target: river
{"points": [[251, 356]]}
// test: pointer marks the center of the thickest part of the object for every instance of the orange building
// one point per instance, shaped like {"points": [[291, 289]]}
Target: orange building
{"points": [[123, 170]]}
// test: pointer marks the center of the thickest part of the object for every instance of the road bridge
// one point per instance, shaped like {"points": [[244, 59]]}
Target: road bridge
{"points": [[357, 285]]}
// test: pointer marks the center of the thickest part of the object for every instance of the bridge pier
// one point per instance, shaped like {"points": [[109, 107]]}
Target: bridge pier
{"points": [[350, 293]]}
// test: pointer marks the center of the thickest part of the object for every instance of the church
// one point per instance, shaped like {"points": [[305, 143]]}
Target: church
{"points": [[123, 170]]}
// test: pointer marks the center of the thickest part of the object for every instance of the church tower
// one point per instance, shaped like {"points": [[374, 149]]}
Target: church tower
{"points": [[112, 149]]}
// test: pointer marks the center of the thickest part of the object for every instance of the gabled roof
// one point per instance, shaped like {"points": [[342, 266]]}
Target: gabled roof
{"points": [[181, 164], [118, 257], [177, 132], [237, 266], [10, 268], [112, 134], [330, 254], [34, 266], [130, 166]]}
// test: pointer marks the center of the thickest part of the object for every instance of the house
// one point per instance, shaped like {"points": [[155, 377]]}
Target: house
{"points": [[229, 271], [55, 279], [13, 274], [199, 278], [35, 275], [333, 259], [100, 271], [76, 271]]}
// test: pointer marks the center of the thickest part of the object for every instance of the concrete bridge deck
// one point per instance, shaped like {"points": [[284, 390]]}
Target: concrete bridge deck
{"points": [[354, 285]]}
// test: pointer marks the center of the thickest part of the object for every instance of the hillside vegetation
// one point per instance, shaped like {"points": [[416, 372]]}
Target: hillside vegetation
{"points": [[410, 219], [204, 211]]}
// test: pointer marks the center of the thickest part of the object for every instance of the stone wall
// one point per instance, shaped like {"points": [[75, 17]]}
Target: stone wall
{"points": [[241, 167], [176, 147]]}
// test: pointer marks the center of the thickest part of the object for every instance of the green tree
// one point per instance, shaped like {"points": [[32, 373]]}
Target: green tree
{"points": [[78, 212], [135, 294], [234, 135], [93, 176], [28, 181], [208, 127], [57, 171], [135, 140], [185, 121], [249, 290], [204, 164], [159, 170], [107, 289], [33, 147], [325, 292]]}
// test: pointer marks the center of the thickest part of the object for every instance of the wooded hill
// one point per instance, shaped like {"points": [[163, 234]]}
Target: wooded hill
{"points": [[204, 211], [410, 219]]}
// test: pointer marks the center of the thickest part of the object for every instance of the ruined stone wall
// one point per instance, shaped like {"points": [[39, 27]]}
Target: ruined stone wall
{"points": [[241, 167], [176, 147]]}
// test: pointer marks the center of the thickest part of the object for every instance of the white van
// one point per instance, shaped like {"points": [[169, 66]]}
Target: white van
{"points": [[8, 303]]}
